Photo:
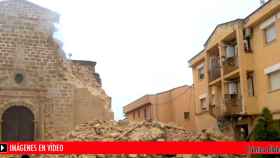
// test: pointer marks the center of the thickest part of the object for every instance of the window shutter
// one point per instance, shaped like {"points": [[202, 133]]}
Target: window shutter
{"points": [[270, 33], [275, 80]]}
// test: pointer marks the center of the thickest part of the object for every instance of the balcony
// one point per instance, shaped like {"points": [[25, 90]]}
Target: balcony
{"points": [[215, 108], [230, 58], [214, 68], [215, 100], [230, 64], [233, 98]]}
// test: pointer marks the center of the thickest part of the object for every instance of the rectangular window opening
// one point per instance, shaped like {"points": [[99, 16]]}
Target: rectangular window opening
{"points": [[250, 82], [203, 104], [270, 33], [187, 115], [201, 73], [274, 79]]}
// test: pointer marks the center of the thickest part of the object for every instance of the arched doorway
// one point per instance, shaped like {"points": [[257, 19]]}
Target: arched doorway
{"points": [[18, 124]]}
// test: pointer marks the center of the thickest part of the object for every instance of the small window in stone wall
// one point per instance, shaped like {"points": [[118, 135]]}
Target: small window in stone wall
{"points": [[186, 115], [19, 78]]}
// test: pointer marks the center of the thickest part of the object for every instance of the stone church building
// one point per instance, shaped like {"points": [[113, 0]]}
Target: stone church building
{"points": [[43, 94]]}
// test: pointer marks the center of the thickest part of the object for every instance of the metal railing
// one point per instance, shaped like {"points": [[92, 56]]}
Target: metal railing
{"points": [[230, 64], [233, 100], [214, 74], [214, 68], [233, 103]]}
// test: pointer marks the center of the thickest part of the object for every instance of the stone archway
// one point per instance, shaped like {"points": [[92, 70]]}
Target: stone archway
{"points": [[18, 124]]}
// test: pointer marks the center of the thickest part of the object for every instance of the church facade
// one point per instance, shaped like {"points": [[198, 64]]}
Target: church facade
{"points": [[43, 94]]}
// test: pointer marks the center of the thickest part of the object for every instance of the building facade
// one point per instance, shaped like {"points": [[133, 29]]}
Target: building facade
{"points": [[43, 94], [238, 72], [173, 106]]}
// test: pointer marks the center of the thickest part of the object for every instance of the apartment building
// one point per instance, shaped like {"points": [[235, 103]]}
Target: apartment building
{"points": [[172, 106], [237, 73]]}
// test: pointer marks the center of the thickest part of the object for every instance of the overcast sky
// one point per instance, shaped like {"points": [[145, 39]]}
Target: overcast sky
{"points": [[141, 46]]}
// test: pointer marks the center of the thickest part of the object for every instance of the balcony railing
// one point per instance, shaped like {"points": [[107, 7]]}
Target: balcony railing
{"points": [[233, 103], [230, 64], [214, 68], [233, 99], [214, 74]]}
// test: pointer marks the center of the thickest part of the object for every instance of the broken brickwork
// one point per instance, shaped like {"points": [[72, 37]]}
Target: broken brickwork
{"points": [[35, 74]]}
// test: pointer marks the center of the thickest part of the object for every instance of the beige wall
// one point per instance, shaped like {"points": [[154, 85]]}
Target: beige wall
{"points": [[139, 113], [205, 121], [183, 102], [167, 107], [200, 86], [202, 118], [266, 55], [164, 108]]}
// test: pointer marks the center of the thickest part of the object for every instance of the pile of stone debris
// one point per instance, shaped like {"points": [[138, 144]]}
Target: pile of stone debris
{"points": [[140, 131]]}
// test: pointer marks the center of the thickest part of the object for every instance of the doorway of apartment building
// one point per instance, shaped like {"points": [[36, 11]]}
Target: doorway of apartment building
{"points": [[241, 132], [17, 124]]}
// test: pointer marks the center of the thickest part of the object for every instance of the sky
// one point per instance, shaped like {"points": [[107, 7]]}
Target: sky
{"points": [[141, 46]]}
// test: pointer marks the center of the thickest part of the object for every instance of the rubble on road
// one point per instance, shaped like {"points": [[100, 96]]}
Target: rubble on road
{"points": [[141, 131]]}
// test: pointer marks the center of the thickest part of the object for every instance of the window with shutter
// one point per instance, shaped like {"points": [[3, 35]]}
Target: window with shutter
{"points": [[270, 33], [250, 82], [201, 73], [274, 80], [203, 104]]}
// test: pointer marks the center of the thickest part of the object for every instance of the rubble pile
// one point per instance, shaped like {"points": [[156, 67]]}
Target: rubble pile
{"points": [[140, 131]]}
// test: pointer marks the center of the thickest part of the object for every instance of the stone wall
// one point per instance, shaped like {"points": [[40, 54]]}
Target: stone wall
{"points": [[49, 82]]}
